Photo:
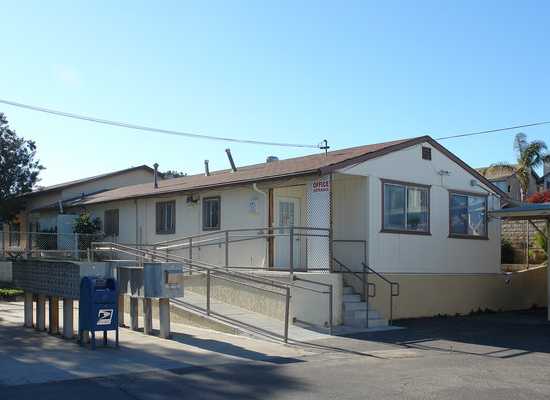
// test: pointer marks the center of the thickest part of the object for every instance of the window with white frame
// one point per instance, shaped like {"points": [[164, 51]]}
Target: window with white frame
{"points": [[406, 207], [166, 217], [211, 213], [467, 215]]}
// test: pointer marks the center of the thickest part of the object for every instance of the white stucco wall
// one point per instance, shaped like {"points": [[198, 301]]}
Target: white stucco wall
{"points": [[436, 253]]}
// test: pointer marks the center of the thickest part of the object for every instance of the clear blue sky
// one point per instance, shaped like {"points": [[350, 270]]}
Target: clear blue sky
{"points": [[351, 72]]}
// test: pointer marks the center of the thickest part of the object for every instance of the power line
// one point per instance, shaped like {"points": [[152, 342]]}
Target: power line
{"points": [[153, 129], [492, 130]]}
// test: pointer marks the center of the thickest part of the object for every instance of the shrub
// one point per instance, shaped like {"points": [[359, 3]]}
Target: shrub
{"points": [[507, 252], [541, 241]]}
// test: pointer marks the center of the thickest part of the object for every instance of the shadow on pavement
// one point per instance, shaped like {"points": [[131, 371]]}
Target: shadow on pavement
{"points": [[501, 335], [230, 381]]}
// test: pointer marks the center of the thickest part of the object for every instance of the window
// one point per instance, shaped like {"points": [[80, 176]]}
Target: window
{"points": [[502, 185], [110, 223], [15, 235], [405, 208], [210, 213], [426, 153], [468, 215], [166, 217]]}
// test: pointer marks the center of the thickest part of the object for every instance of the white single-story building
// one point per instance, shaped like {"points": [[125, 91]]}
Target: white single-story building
{"points": [[409, 209]]}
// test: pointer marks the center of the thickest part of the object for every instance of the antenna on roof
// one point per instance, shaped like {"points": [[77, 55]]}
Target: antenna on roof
{"points": [[233, 167], [206, 169], [324, 146]]}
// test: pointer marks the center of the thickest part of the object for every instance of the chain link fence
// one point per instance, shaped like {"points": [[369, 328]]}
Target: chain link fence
{"points": [[74, 246]]}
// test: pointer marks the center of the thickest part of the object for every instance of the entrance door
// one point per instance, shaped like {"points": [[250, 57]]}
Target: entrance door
{"points": [[287, 213]]}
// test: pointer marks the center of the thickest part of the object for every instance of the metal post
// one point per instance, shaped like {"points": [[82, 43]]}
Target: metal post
{"points": [[287, 313], [366, 294], [76, 255], [28, 309], [68, 318], [208, 292], [391, 304], [330, 322], [88, 254], [527, 245], [53, 327], [41, 312], [164, 318], [226, 249], [190, 248], [291, 253], [147, 316]]}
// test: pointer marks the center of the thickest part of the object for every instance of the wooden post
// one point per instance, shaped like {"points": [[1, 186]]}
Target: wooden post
{"points": [[28, 309], [134, 313], [164, 318], [121, 310], [68, 318], [53, 327], [147, 316], [41, 313]]}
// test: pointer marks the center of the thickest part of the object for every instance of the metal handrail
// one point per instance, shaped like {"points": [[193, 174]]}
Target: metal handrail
{"points": [[392, 285], [364, 279], [210, 269]]}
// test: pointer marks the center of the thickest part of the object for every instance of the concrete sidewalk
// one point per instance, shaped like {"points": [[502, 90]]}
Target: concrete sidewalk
{"points": [[28, 356]]}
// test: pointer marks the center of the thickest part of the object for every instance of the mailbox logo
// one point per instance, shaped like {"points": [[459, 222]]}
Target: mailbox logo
{"points": [[105, 316]]}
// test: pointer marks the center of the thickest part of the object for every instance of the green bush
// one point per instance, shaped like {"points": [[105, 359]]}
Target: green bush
{"points": [[507, 252], [541, 241]]}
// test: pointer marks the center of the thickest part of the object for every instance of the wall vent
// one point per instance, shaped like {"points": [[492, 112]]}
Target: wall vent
{"points": [[426, 153]]}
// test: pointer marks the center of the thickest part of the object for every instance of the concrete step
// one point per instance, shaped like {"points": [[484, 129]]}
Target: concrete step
{"points": [[348, 290], [361, 314], [351, 298], [353, 306], [373, 323]]}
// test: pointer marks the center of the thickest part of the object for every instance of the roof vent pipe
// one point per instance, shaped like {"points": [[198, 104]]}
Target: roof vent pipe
{"points": [[206, 169], [156, 176], [271, 159], [233, 167]]}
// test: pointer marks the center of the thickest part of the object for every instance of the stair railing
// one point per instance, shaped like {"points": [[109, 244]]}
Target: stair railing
{"points": [[393, 293]]}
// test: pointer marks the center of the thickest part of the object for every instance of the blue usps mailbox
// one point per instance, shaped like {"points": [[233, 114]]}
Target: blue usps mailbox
{"points": [[98, 307]]}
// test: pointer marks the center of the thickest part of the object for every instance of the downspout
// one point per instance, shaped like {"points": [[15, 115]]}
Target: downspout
{"points": [[137, 224], [266, 212], [255, 188]]}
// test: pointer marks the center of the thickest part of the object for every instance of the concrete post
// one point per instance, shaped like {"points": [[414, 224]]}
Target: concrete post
{"points": [[41, 313], [28, 309], [121, 310], [134, 313], [148, 316], [53, 326], [164, 318], [68, 318], [548, 263]]}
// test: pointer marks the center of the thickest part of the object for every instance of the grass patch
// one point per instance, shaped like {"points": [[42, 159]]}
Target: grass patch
{"points": [[8, 293]]}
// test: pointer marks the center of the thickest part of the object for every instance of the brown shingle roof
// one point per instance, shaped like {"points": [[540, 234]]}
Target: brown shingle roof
{"points": [[64, 185], [308, 165]]}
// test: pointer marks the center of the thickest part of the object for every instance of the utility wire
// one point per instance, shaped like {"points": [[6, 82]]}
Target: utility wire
{"points": [[153, 129], [492, 130]]}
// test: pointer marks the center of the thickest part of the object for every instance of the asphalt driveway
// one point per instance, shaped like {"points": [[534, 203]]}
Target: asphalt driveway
{"points": [[487, 356]]}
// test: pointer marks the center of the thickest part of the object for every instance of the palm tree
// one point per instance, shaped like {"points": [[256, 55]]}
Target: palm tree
{"points": [[530, 155]]}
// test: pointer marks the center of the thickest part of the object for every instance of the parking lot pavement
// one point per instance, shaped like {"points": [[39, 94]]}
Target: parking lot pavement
{"points": [[492, 356]]}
